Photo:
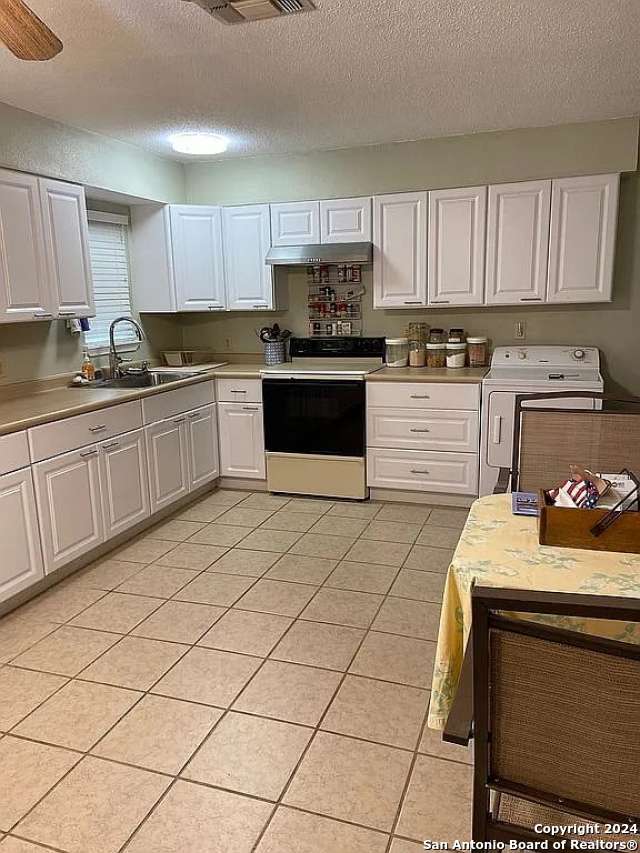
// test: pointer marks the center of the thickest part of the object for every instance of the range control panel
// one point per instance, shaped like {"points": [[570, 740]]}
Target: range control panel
{"points": [[343, 348], [543, 356]]}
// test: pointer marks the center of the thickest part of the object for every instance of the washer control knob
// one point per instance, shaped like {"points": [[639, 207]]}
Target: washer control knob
{"points": [[579, 354], [522, 354]]}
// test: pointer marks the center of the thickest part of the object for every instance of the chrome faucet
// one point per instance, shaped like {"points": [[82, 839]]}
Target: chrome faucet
{"points": [[114, 359]]}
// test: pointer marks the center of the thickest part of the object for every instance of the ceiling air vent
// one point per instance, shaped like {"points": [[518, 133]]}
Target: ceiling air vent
{"points": [[243, 11]]}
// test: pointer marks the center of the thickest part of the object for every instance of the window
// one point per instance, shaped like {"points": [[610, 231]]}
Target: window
{"points": [[111, 287]]}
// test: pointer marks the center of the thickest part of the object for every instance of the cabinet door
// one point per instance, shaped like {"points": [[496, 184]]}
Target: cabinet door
{"points": [[241, 441], [168, 462], [400, 250], [24, 288], [247, 239], [202, 433], [457, 231], [196, 233], [69, 505], [518, 242], [295, 223], [21, 564], [66, 234], [124, 482], [345, 220], [584, 214]]}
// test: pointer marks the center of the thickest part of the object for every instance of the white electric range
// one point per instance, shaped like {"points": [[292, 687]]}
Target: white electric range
{"points": [[315, 416], [528, 370]]}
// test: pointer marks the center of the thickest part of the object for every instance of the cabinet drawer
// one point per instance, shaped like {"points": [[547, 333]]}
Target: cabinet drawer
{"points": [[172, 403], [239, 390], [14, 452], [423, 430], [61, 436], [424, 395], [423, 471]]}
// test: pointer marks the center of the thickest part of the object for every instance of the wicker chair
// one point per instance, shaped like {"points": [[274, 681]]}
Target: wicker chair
{"points": [[601, 431], [556, 717]]}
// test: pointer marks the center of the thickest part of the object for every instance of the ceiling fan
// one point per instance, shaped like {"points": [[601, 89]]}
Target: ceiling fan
{"points": [[25, 34]]}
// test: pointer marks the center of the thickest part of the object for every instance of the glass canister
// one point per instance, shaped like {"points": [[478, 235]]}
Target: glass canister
{"points": [[437, 336], [456, 336], [417, 354], [456, 355], [478, 351], [397, 352], [436, 355]]}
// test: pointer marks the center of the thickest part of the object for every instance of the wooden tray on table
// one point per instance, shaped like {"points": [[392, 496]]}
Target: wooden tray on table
{"points": [[571, 528]]}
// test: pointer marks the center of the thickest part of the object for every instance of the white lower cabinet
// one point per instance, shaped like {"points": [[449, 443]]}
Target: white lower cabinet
{"points": [[21, 563], [124, 482], [422, 470], [202, 440], [168, 461], [69, 505], [241, 441]]}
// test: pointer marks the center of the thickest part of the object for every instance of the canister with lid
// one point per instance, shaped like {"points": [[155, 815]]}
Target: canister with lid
{"points": [[478, 351], [436, 355], [397, 352], [417, 354], [456, 355]]}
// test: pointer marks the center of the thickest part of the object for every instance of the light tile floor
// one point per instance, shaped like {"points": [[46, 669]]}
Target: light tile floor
{"points": [[250, 675]]}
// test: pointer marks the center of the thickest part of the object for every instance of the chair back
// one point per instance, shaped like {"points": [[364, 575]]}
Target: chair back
{"points": [[599, 431], [556, 711]]}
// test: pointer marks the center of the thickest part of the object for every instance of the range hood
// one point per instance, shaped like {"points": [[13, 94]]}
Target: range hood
{"points": [[325, 253]]}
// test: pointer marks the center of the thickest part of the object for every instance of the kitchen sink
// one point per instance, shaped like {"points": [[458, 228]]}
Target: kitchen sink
{"points": [[140, 380]]}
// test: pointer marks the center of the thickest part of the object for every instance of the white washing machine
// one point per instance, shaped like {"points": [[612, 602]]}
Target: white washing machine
{"points": [[527, 370]]}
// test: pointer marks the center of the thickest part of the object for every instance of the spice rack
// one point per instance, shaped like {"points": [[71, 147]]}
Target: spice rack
{"points": [[335, 300]]}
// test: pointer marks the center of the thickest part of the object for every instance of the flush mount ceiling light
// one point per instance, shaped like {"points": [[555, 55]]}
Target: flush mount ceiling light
{"points": [[198, 143]]}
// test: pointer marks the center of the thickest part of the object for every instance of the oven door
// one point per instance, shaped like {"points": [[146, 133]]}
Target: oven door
{"points": [[322, 417]]}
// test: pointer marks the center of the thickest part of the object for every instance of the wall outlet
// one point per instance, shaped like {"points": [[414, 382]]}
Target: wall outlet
{"points": [[227, 344], [520, 330]]}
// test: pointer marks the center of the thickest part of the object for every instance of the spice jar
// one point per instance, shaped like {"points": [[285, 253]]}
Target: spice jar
{"points": [[436, 355], [478, 351], [417, 354], [456, 355], [456, 336], [437, 336], [396, 352]]}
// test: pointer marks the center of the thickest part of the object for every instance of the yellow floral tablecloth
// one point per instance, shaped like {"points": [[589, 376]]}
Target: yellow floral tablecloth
{"points": [[498, 548]]}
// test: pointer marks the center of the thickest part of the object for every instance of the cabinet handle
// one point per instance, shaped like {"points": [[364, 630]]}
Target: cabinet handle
{"points": [[43, 316], [440, 301], [415, 302], [250, 409], [530, 299], [417, 471], [98, 428], [66, 313], [420, 397], [88, 453], [194, 415], [420, 430], [262, 307], [179, 421], [238, 392], [111, 446]]}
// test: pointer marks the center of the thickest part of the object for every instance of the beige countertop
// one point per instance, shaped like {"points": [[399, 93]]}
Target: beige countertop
{"points": [[21, 411], [428, 374]]}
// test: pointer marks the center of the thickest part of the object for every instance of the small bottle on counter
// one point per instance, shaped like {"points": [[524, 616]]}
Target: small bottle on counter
{"points": [[88, 369], [456, 336], [437, 336]]}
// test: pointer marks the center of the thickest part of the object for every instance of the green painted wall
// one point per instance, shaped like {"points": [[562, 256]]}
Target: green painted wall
{"points": [[454, 161], [34, 144]]}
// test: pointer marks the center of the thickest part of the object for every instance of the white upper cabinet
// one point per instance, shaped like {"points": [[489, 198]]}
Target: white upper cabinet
{"points": [[295, 223], [24, 289], [584, 214], [196, 232], [457, 232], [66, 235], [345, 220], [400, 250], [247, 239], [518, 242]]}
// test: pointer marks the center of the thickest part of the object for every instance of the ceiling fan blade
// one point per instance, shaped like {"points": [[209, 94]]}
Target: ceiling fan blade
{"points": [[25, 34]]}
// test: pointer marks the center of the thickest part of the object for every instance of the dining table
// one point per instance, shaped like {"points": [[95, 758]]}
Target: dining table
{"points": [[500, 549]]}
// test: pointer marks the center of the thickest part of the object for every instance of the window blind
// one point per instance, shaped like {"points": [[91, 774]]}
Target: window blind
{"points": [[111, 285]]}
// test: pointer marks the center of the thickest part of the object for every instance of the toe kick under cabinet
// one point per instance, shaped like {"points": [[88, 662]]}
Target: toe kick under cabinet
{"points": [[423, 437]]}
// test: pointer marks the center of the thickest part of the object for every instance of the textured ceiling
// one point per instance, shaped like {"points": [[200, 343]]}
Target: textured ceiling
{"points": [[354, 72]]}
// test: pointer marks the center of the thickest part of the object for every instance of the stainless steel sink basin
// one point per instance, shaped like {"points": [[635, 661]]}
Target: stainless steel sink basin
{"points": [[140, 380]]}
